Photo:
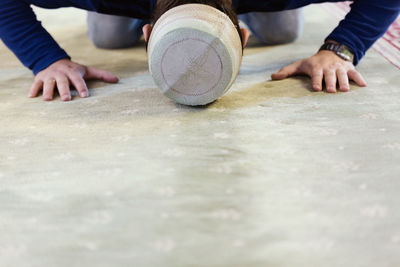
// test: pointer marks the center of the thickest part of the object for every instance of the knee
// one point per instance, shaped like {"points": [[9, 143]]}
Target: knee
{"points": [[279, 36], [111, 40], [112, 32], [276, 27]]}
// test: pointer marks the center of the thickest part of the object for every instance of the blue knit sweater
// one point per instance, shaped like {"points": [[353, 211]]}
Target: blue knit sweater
{"points": [[31, 43]]}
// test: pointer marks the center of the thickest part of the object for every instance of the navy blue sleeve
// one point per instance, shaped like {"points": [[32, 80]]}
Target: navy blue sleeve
{"points": [[24, 35], [367, 21]]}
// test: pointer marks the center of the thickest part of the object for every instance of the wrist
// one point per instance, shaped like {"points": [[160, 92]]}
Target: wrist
{"points": [[339, 49], [46, 61]]}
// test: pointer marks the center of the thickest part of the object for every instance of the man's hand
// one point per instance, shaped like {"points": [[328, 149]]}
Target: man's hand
{"points": [[63, 74], [327, 66]]}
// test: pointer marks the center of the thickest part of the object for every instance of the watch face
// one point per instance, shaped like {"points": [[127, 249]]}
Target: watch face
{"points": [[344, 56], [347, 53]]}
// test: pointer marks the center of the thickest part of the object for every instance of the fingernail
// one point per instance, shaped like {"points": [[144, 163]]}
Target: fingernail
{"points": [[84, 94], [65, 98]]}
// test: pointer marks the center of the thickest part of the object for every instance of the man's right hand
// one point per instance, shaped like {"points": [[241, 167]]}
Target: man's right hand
{"points": [[63, 74]]}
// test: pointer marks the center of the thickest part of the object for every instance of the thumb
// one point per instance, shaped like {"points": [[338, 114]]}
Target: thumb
{"points": [[285, 72], [97, 74]]}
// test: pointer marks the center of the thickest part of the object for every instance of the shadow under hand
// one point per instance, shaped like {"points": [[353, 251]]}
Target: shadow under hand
{"points": [[298, 86]]}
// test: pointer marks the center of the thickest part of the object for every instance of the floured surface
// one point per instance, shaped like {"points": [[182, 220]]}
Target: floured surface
{"points": [[272, 174]]}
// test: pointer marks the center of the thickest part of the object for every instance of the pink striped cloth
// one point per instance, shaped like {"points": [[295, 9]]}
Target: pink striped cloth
{"points": [[388, 46]]}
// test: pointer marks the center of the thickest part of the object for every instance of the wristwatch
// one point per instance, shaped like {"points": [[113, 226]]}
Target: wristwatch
{"points": [[340, 50]]}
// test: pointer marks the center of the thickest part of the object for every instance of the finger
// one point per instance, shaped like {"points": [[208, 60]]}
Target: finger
{"points": [[35, 88], [330, 81], [316, 79], [93, 73], [79, 84], [63, 88], [48, 89], [287, 71], [357, 77], [343, 80]]}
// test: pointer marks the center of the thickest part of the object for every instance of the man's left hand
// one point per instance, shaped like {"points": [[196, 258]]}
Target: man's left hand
{"points": [[324, 66]]}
